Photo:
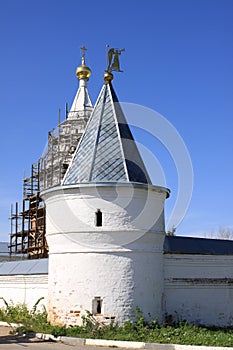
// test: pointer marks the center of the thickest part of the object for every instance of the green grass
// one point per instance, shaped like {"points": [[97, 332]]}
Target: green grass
{"points": [[176, 333]]}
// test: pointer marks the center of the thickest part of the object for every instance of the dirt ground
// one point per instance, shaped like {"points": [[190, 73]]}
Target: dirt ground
{"points": [[4, 331], [17, 342], [6, 336]]}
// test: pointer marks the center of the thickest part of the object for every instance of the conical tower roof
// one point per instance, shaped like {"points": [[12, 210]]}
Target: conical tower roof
{"points": [[82, 101], [107, 151]]}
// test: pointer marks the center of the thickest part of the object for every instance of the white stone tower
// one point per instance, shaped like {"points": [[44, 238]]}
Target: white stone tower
{"points": [[105, 226]]}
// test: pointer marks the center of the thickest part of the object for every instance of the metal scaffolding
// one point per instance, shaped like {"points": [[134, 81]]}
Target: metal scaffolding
{"points": [[28, 229], [62, 143], [27, 238]]}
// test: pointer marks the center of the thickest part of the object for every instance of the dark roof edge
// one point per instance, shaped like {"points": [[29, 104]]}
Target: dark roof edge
{"points": [[193, 245]]}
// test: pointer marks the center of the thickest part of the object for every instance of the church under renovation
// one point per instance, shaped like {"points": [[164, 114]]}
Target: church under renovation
{"points": [[90, 232]]}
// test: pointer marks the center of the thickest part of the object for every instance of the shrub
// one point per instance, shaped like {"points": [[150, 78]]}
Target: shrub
{"points": [[19, 313]]}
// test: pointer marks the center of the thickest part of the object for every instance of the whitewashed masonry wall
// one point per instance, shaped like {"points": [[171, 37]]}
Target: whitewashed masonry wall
{"points": [[199, 288]]}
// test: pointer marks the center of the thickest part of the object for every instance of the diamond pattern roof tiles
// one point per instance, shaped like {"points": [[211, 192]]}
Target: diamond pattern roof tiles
{"points": [[107, 151]]}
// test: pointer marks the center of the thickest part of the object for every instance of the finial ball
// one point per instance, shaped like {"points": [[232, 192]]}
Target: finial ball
{"points": [[83, 72], [108, 76]]}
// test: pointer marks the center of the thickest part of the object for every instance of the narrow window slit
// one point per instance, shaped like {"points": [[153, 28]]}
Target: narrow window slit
{"points": [[97, 308], [98, 218]]}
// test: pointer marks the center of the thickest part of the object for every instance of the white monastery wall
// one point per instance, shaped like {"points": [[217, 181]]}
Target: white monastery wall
{"points": [[199, 288], [26, 289]]}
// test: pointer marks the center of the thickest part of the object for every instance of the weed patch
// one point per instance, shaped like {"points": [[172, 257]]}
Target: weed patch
{"points": [[171, 333]]}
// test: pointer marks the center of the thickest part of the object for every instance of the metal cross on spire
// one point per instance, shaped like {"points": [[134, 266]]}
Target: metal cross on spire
{"points": [[83, 49]]}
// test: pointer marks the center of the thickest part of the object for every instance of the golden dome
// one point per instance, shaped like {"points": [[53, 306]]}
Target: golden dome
{"points": [[83, 72], [108, 77]]}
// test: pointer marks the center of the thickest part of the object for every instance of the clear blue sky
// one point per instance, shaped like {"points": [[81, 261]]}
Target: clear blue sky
{"points": [[178, 61]]}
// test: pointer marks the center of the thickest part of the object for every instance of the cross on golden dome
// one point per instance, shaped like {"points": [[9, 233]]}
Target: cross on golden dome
{"points": [[83, 72]]}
